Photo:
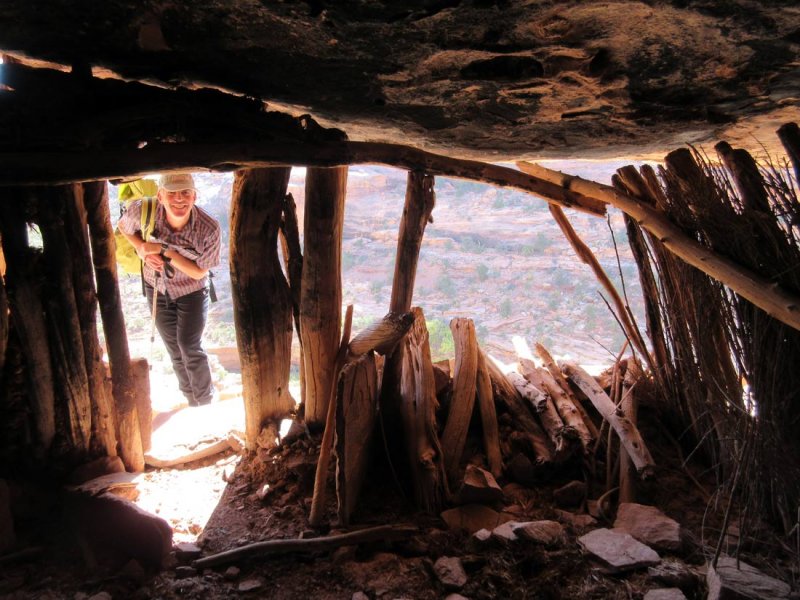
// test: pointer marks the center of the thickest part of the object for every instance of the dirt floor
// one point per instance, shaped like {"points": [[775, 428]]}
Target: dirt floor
{"points": [[220, 503]]}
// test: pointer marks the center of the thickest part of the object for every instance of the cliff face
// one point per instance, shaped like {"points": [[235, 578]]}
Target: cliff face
{"points": [[489, 79]]}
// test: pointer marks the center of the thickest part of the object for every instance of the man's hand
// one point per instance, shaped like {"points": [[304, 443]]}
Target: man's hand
{"points": [[146, 249], [155, 262]]}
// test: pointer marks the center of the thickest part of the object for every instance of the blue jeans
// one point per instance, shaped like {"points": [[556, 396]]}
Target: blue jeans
{"points": [[180, 323]]}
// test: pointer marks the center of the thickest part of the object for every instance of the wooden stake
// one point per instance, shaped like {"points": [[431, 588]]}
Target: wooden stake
{"points": [[463, 400], [383, 335], [628, 434], [491, 434], [321, 476]]}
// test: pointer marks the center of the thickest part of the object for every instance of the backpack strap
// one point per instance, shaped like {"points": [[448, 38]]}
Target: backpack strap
{"points": [[148, 221]]}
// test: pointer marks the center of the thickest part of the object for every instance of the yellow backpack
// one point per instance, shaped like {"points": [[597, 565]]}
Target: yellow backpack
{"points": [[146, 189]]}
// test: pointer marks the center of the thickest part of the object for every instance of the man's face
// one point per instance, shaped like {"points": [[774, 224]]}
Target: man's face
{"points": [[177, 203]]}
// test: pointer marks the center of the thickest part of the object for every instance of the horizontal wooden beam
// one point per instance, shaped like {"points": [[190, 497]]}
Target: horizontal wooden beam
{"points": [[762, 292], [50, 168]]}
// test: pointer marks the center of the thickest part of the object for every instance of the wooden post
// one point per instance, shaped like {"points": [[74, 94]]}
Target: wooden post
{"points": [[321, 289], [491, 434], [123, 382], [629, 407], [261, 297], [63, 322], [418, 392], [454, 436], [629, 435], [356, 404], [104, 438], [23, 281]]}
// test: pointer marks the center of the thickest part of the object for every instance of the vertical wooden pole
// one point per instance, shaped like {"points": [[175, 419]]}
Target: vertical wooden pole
{"points": [[132, 426], [321, 289], [419, 203], [23, 280], [261, 296], [63, 321], [104, 438]]}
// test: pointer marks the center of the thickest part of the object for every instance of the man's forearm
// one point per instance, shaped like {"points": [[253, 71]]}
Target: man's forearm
{"points": [[184, 264]]}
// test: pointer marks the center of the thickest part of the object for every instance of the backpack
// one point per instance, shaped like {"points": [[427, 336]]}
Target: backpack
{"points": [[127, 259]]}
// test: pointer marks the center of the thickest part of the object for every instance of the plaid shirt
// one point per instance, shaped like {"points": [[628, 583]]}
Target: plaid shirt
{"points": [[199, 241]]}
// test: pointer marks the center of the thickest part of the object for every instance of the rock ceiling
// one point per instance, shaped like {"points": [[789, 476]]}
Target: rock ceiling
{"points": [[495, 80]]}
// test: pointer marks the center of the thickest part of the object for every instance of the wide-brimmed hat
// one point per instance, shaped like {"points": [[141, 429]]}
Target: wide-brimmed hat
{"points": [[175, 182]]}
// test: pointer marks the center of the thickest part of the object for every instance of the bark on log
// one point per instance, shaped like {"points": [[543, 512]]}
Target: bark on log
{"points": [[573, 421], [535, 440], [261, 297], [746, 176], [63, 324], [454, 436], [383, 335], [321, 475], [125, 383], [762, 292], [356, 404], [559, 378], [23, 281], [548, 415], [628, 434], [321, 544], [418, 410], [321, 290], [491, 434], [104, 438]]}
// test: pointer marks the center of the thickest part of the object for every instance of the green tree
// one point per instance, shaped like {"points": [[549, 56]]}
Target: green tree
{"points": [[483, 272]]}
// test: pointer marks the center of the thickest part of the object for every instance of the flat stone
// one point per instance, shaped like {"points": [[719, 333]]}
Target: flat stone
{"points": [[665, 594], [450, 572], [231, 573], [571, 494], [618, 551], [731, 580], [187, 551], [578, 522], [7, 536], [250, 585], [101, 596], [472, 517], [479, 487], [547, 533], [116, 530], [649, 525], [455, 597], [505, 533], [359, 596]]}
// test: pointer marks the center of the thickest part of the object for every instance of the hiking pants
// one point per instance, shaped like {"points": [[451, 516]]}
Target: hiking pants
{"points": [[180, 323]]}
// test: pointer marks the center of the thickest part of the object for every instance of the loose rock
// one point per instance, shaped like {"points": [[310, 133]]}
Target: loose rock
{"points": [[731, 580], [665, 594], [479, 487], [649, 525], [571, 494], [101, 596], [250, 585], [505, 533], [578, 522], [547, 533], [187, 551], [674, 573], [472, 517], [185, 571], [450, 572], [359, 596], [618, 551], [455, 597], [232, 573]]}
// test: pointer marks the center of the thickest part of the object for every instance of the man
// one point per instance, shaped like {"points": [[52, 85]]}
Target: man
{"points": [[184, 245]]}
